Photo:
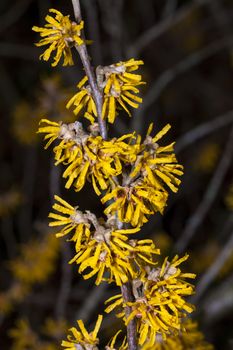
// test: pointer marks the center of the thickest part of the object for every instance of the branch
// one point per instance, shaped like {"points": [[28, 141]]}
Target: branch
{"points": [[97, 95], [127, 294], [160, 28], [202, 130], [219, 302], [214, 269], [196, 219], [91, 302], [181, 67]]}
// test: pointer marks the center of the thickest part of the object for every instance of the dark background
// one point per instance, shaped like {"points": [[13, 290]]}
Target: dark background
{"points": [[187, 47]]}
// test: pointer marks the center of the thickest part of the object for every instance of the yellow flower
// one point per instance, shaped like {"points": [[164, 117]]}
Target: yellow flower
{"points": [[159, 302], [87, 156], [135, 202], [83, 99], [188, 338], [72, 219], [119, 89], [82, 337], [119, 86], [158, 164], [107, 252], [36, 261], [52, 129], [60, 33], [23, 336], [143, 192]]}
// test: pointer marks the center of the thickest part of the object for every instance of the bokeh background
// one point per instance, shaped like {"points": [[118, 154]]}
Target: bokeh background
{"points": [[187, 47]]}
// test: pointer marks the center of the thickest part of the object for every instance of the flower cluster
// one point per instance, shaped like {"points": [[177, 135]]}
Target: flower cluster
{"points": [[24, 337], [144, 192], [61, 34], [101, 248], [35, 264], [81, 339], [134, 176], [36, 261], [188, 338], [87, 156], [119, 88], [160, 303]]}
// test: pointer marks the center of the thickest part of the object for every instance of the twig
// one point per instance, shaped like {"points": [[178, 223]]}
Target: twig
{"points": [[131, 327], [158, 29], [97, 95], [219, 302], [214, 269], [170, 74], [202, 130], [112, 23], [196, 219], [91, 302], [94, 28]]}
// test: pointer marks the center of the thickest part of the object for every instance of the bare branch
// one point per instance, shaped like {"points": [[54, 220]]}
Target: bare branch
{"points": [[160, 28], [219, 302], [91, 302], [197, 218], [202, 130], [132, 326], [97, 95], [214, 269], [170, 74]]}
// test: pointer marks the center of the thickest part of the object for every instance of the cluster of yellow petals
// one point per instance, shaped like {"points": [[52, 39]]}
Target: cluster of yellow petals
{"points": [[24, 337], [135, 202], [99, 247], [119, 83], [158, 164], [119, 87], [35, 264], [87, 156], [188, 338], [36, 261], [160, 303], [81, 339], [145, 193], [61, 34]]}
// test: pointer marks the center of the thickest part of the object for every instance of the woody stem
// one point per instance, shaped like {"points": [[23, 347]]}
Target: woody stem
{"points": [[126, 288], [96, 93]]}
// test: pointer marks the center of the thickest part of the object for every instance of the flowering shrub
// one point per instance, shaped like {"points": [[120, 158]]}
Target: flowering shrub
{"points": [[133, 178]]}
